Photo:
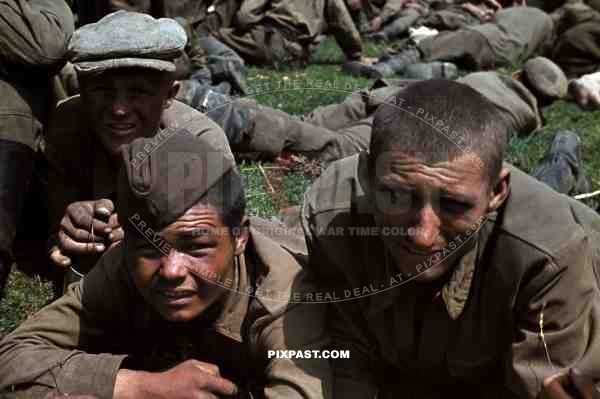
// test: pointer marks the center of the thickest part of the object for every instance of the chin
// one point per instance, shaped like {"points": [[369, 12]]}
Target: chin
{"points": [[435, 273], [179, 315]]}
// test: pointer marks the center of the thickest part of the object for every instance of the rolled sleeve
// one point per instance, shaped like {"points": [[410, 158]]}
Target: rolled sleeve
{"points": [[42, 355]]}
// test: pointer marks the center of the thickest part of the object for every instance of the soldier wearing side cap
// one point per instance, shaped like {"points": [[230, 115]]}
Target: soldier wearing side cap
{"points": [[125, 68], [193, 303]]}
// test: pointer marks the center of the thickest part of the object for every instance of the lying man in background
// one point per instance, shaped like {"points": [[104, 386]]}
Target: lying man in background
{"points": [[169, 312], [469, 277]]}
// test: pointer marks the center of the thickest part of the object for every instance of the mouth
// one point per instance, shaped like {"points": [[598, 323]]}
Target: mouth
{"points": [[423, 254], [175, 297], [121, 129]]}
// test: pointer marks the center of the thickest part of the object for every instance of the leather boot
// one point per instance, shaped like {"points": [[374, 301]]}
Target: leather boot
{"points": [[228, 70], [562, 167], [233, 116], [393, 65]]}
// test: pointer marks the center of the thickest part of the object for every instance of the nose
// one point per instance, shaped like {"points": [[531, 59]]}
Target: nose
{"points": [[427, 228], [173, 267], [120, 107]]}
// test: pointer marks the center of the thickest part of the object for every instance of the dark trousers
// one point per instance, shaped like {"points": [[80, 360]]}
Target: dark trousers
{"points": [[23, 211], [16, 167]]}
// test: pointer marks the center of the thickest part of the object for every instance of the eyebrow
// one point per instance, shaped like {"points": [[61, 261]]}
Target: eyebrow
{"points": [[459, 197], [467, 199], [197, 232]]}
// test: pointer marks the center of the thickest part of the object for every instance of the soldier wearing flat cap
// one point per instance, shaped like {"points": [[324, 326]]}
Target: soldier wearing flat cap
{"points": [[125, 67], [193, 303]]}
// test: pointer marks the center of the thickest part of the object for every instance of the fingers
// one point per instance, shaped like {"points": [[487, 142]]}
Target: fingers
{"points": [[116, 235], [104, 207], [77, 234], [553, 387], [113, 221], [219, 385], [81, 216], [494, 4], [207, 368], [68, 245], [58, 258], [212, 380]]}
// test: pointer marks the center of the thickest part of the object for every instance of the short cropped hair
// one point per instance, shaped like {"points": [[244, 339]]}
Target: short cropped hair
{"points": [[440, 120]]}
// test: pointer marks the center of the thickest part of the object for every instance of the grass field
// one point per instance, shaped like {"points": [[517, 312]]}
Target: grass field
{"points": [[26, 295]]}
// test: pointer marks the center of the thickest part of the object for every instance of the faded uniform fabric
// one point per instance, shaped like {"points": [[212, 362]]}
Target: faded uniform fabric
{"points": [[78, 343], [452, 17], [327, 133], [516, 103], [387, 10], [272, 131], [515, 34], [286, 30], [81, 170], [577, 48], [92, 11], [33, 41], [479, 336]]}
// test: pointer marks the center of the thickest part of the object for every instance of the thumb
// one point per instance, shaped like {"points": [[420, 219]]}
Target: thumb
{"points": [[104, 207], [58, 258]]}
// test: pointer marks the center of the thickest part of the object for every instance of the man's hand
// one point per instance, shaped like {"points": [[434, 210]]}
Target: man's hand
{"points": [[493, 4], [376, 24], [558, 385], [84, 230], [354, 5], [480, 12], [416, 6], [191, 379]]}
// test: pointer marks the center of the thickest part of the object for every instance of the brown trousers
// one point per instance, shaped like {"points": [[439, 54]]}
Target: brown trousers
{"points": [[328, 133], [577, 51]]}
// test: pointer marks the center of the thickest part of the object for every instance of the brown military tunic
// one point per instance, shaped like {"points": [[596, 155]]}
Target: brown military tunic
{"points": [[577, 48], [273, 32], [514, 35], [479, 336], [516, 103], [33, 41], [78, 343]]}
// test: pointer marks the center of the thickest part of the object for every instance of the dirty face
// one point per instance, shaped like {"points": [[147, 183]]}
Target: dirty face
{"points": [[124, 104], [184, 281], [431, 207]]}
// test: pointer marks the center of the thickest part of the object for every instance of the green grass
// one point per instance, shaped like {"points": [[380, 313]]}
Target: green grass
{"points": [[26, 295]]}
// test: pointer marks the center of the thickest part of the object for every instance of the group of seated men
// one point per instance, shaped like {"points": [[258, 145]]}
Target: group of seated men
{"points": [[427, 267]]}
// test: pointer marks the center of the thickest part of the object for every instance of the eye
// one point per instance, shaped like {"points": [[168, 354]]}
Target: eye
{"points": [[453, 206], [141, 91]]}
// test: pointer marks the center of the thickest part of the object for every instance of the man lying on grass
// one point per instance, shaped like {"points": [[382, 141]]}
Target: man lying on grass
{"points": [[189, 305]]}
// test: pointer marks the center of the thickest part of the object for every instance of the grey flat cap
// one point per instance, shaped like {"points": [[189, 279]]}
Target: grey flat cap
{"points": [[127, 39], [546, 77]]}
